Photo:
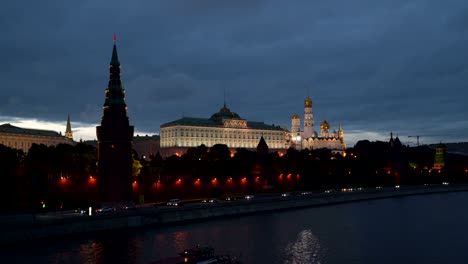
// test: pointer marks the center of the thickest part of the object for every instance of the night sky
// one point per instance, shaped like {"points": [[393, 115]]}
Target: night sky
{"points": [[374, 66]]}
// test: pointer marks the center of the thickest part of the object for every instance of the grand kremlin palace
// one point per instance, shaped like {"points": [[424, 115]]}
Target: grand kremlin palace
{"points": [[223, 127]]}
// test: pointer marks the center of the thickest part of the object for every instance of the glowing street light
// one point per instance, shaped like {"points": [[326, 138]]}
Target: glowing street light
{"points": [[296, 140]]}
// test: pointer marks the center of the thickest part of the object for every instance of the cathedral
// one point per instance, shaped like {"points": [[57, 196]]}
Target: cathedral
{"points": [[309, 138]]}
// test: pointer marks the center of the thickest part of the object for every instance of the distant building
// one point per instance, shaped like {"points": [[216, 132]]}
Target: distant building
{"points": [[93, 142], [23, 138], [439, 158], [223, 127], [395, 143], [146, 146], [309, 138], [397, 162]]}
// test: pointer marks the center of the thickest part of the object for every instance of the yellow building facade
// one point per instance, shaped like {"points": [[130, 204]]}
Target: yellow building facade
{"points": [[23, 138], [223, 127]]}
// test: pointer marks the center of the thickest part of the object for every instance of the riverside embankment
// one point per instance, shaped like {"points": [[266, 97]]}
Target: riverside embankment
{"points": [[20, 228]]}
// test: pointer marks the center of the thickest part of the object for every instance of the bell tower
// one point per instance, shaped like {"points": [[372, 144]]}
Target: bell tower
{"points": [[115, 136], [308, 118], [295, 124]]}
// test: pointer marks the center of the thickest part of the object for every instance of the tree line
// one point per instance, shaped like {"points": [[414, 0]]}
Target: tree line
{"points": [[63, 173]]}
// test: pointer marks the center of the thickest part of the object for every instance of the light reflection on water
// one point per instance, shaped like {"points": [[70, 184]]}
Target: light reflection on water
{"points": [[90, 251], [306, 249], [180, 240], [417, 229], [106, 250]]}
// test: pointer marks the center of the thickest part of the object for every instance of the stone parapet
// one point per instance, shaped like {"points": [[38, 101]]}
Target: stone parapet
{"points": [[20, 228]]}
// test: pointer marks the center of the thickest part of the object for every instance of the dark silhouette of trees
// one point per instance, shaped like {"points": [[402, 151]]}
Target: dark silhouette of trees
{"points": [[63, 174], [38, 175], [10, 166]]}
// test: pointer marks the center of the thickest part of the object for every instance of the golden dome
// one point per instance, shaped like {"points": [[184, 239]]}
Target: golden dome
{"points": [[296, 116], [308, 102], [324, 125]]}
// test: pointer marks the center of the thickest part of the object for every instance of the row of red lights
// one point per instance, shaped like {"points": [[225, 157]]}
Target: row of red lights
{"points": [[64, 179], [230, 180], [289, 176], [214, 180]]}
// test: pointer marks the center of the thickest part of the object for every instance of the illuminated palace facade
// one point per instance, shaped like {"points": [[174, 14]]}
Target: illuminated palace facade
{"points": [[23, 138], [223, 127], [309, 138]]}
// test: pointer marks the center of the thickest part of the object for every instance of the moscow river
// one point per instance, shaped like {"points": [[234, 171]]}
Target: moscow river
{"points": [[414, 229]]}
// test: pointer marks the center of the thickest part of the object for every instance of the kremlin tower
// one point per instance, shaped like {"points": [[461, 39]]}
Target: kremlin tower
{"points": [[68, 131], [115, 137]]}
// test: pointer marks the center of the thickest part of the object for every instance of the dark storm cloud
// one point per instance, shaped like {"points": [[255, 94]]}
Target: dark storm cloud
{"points": [[375, 66]]}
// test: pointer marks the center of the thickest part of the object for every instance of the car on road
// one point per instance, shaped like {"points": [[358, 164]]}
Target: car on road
{"points": [[174, 202], [210, 200], [81, 211], [285, 194], [249, 197], [129, 206], [105, 209], [306, 193]]}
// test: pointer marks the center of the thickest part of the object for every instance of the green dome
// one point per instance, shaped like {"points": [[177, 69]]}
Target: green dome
{"points": [[224, 113]]}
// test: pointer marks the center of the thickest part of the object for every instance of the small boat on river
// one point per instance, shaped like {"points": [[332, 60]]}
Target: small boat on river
{"points": [[199, 255]]}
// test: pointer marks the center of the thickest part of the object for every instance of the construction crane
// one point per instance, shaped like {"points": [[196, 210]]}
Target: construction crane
{"points": [[417, 139], [427, 135]]}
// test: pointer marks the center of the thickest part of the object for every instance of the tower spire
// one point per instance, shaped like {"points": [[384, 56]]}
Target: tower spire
{"points": [[115, 58], [224, 97], [340, 132], [68, 131], [115, 94]]}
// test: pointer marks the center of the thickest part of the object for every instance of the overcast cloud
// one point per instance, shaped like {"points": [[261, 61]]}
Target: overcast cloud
{"points": [[374, 66]]}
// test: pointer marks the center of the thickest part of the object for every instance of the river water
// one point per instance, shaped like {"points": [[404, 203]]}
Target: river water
{"points": [[415, 229]]}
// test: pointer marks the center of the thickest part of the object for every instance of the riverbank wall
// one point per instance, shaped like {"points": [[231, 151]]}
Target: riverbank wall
{"points": [[21, 228]]}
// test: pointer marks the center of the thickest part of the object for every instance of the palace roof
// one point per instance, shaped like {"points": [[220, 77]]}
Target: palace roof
{"points": [[217, 119], [208, 122], [7, 128]]}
